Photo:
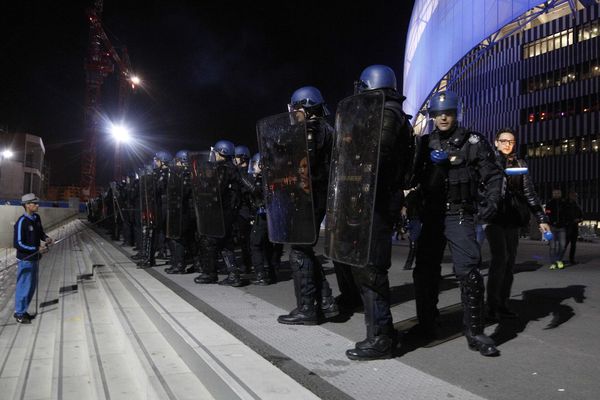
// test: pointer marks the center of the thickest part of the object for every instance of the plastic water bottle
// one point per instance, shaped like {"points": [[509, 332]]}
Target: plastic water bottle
{"points": [[548, 236]]}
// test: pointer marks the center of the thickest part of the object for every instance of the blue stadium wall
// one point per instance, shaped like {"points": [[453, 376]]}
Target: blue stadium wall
{"points": [[543, 81]]}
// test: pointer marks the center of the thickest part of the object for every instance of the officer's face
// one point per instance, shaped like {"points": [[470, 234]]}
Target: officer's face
{"points": [[445, 120], [32, 207], [505, 143]]}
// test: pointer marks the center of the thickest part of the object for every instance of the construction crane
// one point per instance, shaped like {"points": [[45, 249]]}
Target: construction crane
{"points": [[99, 63]]}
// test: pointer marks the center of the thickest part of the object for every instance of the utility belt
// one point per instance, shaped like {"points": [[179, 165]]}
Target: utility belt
{"points": [[463, 208]]}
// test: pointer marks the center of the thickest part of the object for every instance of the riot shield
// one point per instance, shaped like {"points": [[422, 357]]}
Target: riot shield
{"points": [[148, 199], [286, 178], [353, 178], [206, 188], [174, 204]]}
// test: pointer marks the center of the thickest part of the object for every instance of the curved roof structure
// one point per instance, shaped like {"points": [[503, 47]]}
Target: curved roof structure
{"points": [[442, 32]]}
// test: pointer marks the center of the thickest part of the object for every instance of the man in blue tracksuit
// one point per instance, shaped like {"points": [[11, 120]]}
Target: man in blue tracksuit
{"points": [[28, 235]]}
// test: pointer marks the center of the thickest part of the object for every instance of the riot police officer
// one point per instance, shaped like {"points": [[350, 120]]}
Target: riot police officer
{"points": [[314, 297], [228, 179], [180, 224], [156, 237], [262, 250], [396, 149], [459, 178], [244, 220]]}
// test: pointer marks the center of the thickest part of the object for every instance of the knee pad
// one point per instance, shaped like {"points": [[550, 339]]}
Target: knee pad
{"points": [[374, 278], [299, 261]]}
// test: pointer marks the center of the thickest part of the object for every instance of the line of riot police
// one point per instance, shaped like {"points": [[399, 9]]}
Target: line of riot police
{"points": [[202, 205]]}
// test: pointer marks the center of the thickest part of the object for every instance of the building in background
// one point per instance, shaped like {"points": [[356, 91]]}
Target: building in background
{"points": [[62, 193], [530, 65], [21, 165]]}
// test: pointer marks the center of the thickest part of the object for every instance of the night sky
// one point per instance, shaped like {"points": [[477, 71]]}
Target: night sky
{"points": [[209, 71]]}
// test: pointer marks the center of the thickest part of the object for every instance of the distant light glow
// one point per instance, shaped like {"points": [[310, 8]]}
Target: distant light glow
{"points": [[7, 154], [120, 133], [136, 80]]}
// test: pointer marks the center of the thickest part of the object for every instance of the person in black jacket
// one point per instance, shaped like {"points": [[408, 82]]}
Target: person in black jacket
{"points": [[557, 212], [453, 165], [229, 188], [502, 231], [261, 249], [314, 298], [370, 281], [574, 217], [28, 235]]}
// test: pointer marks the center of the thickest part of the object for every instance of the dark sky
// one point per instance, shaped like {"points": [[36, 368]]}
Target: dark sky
{"points": [[210, 71]]}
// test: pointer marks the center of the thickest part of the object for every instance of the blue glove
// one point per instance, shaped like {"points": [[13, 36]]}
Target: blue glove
{"points": [[438, 156]]}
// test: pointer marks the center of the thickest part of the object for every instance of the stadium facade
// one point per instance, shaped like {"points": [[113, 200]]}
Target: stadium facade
{"points": [[530, 66]]}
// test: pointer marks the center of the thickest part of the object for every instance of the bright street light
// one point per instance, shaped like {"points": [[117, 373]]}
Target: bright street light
{"points": [[120, 133], [136, 80], [7, 154]]}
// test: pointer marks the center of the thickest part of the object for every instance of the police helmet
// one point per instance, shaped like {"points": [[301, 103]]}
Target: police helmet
{"points": [[376, 77], [308, 98], [445, 101], [242, 152], [183, 156], [254, 166], [163, 156], [224, 148]]}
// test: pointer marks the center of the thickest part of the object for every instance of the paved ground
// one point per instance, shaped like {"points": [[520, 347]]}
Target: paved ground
{"points": [[551, 352]]}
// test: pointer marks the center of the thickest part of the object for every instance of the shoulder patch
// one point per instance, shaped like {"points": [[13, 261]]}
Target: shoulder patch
{"points": [[474, 139]]}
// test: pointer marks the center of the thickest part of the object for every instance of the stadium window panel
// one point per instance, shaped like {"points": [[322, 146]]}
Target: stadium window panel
{"points": [[570, 36], [572, 147], [584, 144], [557, 41]]}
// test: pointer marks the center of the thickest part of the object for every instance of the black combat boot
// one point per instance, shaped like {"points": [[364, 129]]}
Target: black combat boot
{"points": [[233, 277], [178, 268], [381, 336], [206, 278], [196, 265], [378, 345], [208, 268], [261, 279], [472, 291], [305, 312]]}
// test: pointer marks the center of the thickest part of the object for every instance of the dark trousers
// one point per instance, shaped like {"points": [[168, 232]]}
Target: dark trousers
{"points": [[261, 249], [572, 234], [504, 242], [372, 280], [243, 239], [459, 233]]}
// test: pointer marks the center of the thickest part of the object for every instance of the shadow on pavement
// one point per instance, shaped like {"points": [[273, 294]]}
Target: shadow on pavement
{"points": [[449, 327], [536, 304]]}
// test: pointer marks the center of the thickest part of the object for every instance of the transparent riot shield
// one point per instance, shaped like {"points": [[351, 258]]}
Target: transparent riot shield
{"points": [[148, 199], [353, 178], [174, 204], [206, 190], [286, 178]]}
